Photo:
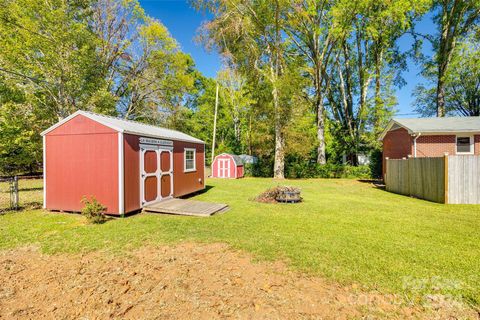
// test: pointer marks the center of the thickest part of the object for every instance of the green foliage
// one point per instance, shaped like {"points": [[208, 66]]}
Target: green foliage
{"points": [[93, 210], [20, 142], [263, 168], [300, 79], [462, 82], [455, 22], [48, 51], [107, 56], [303, 170], [376, 164]]}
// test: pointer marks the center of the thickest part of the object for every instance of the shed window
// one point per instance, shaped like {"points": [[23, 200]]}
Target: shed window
{"points": [[190, 160], [464, 145]]}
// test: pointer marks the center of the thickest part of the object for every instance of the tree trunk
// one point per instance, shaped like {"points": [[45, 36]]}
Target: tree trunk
{"points": [[250, 148], [378, 91], [279, 164], [321, 158], [440, 97]]}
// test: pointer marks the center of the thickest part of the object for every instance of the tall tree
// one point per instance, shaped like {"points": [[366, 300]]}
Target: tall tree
{"points": [[249, 34], [235, 94], [462, 82], [454, 19], [147, 74], [365, 32], [48, 49], [309, 25]]}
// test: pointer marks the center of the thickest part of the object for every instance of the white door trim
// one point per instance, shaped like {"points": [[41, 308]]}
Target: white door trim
{"points": [[44, 138], [121, 181], [223, 168], [218, 168], [158, 173], [228, 168], [165, 173]]}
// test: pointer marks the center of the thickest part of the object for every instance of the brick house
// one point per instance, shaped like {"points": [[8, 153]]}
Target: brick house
{"points": [[430, 137]]}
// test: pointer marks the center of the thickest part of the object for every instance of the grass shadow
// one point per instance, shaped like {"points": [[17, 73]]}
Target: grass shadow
{"points": [[376, 183], [30, 189], [190, 195]]}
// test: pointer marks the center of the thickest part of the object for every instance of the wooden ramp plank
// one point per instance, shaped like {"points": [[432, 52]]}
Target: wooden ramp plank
{"points": [[186, 207]]}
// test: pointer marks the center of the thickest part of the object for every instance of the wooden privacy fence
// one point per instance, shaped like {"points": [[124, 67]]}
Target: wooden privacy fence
{"points": [[448, 179]]}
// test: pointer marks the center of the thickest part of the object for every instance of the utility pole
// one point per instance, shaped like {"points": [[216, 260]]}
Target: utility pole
{"points": [[214, 125]]}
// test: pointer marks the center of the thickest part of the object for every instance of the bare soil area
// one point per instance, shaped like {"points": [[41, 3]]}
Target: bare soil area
{"points": [[188, 281]]}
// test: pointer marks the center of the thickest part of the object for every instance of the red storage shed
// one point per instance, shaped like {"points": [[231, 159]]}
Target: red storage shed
{"points": [[123, 164], [227, 166]]}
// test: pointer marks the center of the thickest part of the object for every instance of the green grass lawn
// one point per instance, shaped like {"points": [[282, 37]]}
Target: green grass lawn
{"points": [[31, 193], [345, 230]]}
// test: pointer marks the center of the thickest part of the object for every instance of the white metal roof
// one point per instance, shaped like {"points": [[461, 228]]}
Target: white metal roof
{"points": [[128, 126], [434, 125]]}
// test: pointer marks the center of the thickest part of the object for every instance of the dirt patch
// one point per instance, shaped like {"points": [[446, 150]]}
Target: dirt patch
{"points": [[193, 281]]}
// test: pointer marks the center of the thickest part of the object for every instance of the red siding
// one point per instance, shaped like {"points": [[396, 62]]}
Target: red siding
{"points": [[131, 172], [215, 165], [240, 172], [188, 182], [235, 171], [183, 182], [81, 160]]}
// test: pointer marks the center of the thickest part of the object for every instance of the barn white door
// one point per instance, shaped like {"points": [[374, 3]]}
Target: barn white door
{"points": [[156, 173], [224, 168]]}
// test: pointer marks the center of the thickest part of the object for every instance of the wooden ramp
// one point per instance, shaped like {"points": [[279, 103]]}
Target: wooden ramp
{"points": [[186, 207]]}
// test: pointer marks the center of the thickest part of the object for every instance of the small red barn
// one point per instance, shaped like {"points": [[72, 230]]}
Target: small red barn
{"points": [[227, 166], [123, 164]]}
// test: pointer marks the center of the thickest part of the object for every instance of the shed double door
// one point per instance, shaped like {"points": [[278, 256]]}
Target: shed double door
{"points": [[224, 168], [156, 173]]}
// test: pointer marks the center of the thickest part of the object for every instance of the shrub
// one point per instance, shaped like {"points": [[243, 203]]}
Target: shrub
{"points": [[300, 168], [262, 168], [314, 170], [93, 210], [376, 163]]}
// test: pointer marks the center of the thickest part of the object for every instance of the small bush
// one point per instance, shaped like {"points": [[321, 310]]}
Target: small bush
{"points": [[376, 163], [314, 170], [262, 168], [93, 210]]}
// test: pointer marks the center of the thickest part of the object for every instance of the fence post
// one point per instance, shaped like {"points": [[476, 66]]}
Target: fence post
{"points": [[386, 171], [409, 160], [445, 182], [14, 193]]}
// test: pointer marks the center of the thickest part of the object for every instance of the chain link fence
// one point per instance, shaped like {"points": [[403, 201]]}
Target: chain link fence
{"points": [[22, 192]]}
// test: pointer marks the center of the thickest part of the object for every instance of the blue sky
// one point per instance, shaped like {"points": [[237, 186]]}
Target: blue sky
{"points": [[184, 21]]}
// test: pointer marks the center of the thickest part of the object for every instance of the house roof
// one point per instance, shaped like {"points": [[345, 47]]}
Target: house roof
{"points": [[434, 125], [128, 126]]}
